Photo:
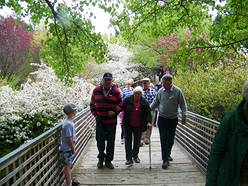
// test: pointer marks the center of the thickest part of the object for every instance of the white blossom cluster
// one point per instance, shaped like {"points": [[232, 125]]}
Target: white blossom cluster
{"points": [[120, 65], [39, 102]]}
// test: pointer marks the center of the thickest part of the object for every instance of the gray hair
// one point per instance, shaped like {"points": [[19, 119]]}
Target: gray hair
{"points": [[245, 91], [166, 77]]}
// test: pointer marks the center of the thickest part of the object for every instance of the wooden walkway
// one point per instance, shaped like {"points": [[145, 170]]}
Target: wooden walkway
{"points": [[181, 172]]}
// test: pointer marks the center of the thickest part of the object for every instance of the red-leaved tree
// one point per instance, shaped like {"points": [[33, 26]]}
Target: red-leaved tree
{"points": [[16, 47], [170, 43]]}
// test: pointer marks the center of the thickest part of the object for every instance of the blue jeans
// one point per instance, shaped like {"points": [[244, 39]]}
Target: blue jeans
{"points": [[105, 133], [167, 129]]}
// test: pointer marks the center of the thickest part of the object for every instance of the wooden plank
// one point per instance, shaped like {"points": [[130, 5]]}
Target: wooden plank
{"points": [[156, 184], [141, 179]]}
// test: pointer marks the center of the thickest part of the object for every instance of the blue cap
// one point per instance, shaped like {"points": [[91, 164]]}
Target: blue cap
{"points": [[107, 75], [68, 108]]}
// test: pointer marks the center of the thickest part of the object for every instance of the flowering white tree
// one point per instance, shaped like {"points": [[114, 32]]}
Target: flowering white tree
{"points": [[37, 106], [120, 65]]}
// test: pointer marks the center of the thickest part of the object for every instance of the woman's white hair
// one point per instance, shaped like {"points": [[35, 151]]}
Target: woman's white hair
{"points": [[245, 91], [138, 89]]}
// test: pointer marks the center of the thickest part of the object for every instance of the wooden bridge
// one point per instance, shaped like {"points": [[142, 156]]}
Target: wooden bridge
{"points": [[37, 162]]}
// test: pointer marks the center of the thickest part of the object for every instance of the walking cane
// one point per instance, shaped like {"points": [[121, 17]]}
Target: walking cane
{"points": [[150, 156]]}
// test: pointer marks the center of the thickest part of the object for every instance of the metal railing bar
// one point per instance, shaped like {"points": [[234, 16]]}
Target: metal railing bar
{"points": [[14, 155], [47, 173], [41, 170], [82, 146], [81, 139], [81, 119], [199, 126], [36, 165], [192, 141], [81, 132], [190, 132], [53, 176], [195, 155], [202, 117], [7, 177], [190, 152]]}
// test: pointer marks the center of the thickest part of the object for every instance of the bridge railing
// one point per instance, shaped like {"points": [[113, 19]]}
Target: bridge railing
{"points": [[196, 137], [37, 162]]}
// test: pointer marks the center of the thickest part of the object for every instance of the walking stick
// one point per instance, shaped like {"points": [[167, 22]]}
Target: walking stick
{"points": [[150, 156]]}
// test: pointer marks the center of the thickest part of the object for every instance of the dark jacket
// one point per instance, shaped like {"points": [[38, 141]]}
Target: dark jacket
{"points": [[145, 112], [228, 150]]}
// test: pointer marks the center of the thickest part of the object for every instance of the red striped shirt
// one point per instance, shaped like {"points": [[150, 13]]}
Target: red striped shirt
{"points": [[100, 105]]}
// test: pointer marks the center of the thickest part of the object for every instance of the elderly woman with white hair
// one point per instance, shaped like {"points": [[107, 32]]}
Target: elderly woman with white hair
{"points": [[228, 162], [137, 117]]}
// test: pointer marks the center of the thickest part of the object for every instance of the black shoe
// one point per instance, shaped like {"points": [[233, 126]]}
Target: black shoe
{"points": [[136, 160], [109, 165], [170, 158], [74, 183], [100, 164], [165, 165], [129, 162]]}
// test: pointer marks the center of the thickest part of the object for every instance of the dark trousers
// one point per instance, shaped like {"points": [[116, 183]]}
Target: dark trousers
{"points": [[132, 138], [122, 131], [167, 129], [105, 133]]}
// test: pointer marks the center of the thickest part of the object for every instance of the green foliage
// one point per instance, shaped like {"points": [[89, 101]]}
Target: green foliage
{"points": [[3, 82], [71, 39], [212, 91], [145, 56], [217, 38], [29, 128], [231, 25]]}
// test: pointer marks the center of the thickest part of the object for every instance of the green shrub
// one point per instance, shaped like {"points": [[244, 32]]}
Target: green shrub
{"points": [[213, 91], [14, 134]]}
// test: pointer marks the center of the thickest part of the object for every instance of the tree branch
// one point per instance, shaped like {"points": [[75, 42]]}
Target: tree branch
{"points": [[56, 17], [222, 45]]}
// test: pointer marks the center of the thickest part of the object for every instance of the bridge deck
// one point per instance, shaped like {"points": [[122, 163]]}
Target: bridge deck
{"points": [[182, 171]]}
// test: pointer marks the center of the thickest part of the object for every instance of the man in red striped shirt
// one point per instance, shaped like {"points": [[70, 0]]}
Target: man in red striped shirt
{"points": [[104, 102]]}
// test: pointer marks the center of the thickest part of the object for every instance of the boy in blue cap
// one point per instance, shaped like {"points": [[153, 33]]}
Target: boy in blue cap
{"points": [[68, 141]]}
